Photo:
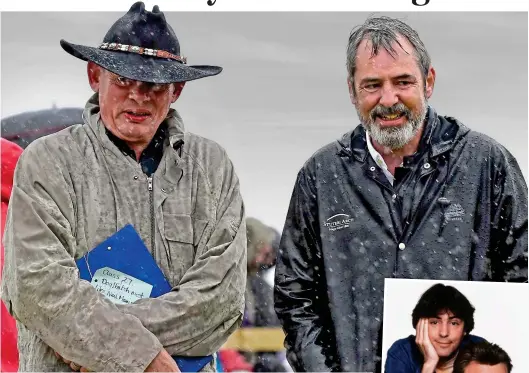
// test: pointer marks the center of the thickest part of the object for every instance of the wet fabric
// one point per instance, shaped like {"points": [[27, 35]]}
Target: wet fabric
{"points": [[457, 211], [151, 157], [75, 188]]}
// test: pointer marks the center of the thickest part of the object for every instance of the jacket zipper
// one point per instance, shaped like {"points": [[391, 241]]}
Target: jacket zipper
{"points": [[153, 248], [407, 223], [396, 201]]}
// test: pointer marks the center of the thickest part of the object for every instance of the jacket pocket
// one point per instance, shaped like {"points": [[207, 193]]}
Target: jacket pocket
{"points": [[183, 234], [178, 228]]}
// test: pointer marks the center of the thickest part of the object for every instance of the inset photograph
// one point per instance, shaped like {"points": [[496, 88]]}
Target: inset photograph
{"points": [[432, 326]]}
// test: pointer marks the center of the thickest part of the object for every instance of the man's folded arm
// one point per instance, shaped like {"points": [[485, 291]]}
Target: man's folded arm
{"points": [[41, 284], [199, 314]]}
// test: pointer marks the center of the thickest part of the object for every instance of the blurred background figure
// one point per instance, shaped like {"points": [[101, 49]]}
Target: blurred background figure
{"points": [[8, 337], [28, 126], [261, 257], [263, 243], [261, 251]]}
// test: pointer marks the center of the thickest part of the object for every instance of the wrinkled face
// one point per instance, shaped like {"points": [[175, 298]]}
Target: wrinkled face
{"points": [[389, 93], [446, 332], [474, 367], [131, 110]]}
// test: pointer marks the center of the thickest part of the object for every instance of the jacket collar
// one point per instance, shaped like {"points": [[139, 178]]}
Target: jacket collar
{"points": [[92, 117], [439, 135], [170, 169]]}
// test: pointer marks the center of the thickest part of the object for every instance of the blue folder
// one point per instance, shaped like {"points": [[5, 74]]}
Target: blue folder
{"points": [[125, 251], [192, 364]]}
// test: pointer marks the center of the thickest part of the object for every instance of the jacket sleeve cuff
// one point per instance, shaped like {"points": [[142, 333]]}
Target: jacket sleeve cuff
{"points": [[138, 363]]}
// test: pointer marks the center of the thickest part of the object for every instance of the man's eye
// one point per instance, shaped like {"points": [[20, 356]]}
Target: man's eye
{"points": [[122, 81], [371, 87], [433, 322], [403, 83], [156, 87]]}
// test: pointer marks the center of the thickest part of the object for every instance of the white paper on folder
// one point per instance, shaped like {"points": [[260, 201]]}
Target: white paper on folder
{"points": [[120, 287]]}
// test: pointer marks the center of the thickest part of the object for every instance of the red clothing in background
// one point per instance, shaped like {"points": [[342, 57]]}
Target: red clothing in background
{"points": [[8, 338]]}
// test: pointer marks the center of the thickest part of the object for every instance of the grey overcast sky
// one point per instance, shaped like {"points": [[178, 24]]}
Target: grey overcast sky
{"points": [[282, 94]]}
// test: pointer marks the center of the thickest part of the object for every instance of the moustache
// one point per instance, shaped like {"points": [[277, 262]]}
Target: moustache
{"points": [[399, 108]]}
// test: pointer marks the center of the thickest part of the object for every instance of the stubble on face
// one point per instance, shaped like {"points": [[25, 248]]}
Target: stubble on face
{"points": [[393, 138], [390, 84]]}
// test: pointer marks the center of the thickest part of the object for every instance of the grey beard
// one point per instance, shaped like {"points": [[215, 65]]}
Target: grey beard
{"points": [[395, 137]]}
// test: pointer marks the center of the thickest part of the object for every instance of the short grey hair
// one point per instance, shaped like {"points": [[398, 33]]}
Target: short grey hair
{"points": [[383, 32]]}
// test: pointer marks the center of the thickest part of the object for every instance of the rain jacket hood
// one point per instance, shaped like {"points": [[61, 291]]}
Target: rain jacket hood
{"points": [[441, 133], [91, 114]]}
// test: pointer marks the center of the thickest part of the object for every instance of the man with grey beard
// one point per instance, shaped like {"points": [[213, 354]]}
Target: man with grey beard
{"points": [[407, 194]]}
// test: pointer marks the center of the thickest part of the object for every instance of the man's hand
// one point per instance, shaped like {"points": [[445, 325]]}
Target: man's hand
{"points": [[163, 362], [425, 345], [72, 365]]}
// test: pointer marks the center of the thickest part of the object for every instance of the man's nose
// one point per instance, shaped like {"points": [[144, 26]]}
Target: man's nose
{"points": [[388, 96], [139, 92], [443, 330]]}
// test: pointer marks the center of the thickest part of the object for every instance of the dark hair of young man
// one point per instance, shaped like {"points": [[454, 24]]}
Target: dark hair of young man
{"points": [[484, 353], [443, 298]]}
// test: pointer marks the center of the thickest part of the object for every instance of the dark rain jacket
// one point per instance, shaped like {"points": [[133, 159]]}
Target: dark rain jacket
{"points": [[457, 211]]}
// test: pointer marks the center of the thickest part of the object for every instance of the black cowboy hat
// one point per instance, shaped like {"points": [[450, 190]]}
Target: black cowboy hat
{"points": [[141, 45]]}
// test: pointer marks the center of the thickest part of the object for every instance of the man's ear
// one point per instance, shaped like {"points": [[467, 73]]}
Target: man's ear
{"points": [[178, 87], [430, 82], [351, 87], [94, 75]]}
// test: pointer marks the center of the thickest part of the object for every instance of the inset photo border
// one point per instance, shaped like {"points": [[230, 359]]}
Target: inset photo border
{"points": [[501, 314]]}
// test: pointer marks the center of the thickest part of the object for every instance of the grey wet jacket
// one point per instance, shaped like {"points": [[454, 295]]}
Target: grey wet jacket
{"points": [[72, 190], [458, 211]]}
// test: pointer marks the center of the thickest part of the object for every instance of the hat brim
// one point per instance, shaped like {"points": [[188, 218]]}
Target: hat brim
{"points": [[140, 67]]}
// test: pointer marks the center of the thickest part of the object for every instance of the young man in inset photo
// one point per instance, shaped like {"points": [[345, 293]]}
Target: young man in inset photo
{"points": [[443, 319], [482, 357]]}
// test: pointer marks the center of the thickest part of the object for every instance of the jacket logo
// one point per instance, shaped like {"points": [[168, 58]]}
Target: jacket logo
{"points": [[454, 212], [337, 222]]}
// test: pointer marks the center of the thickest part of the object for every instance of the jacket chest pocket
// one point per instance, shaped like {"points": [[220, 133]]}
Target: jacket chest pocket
{"points": [[183, 235]]}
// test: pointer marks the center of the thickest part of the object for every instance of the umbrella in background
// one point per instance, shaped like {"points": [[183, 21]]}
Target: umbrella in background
{"points": [[26, 127]]}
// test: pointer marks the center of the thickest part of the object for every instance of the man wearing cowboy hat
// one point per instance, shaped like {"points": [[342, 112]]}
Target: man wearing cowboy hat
{"points": [[131, 162]]}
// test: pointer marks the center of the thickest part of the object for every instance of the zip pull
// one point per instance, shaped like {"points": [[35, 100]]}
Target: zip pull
{"points": [[149, 179]]}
